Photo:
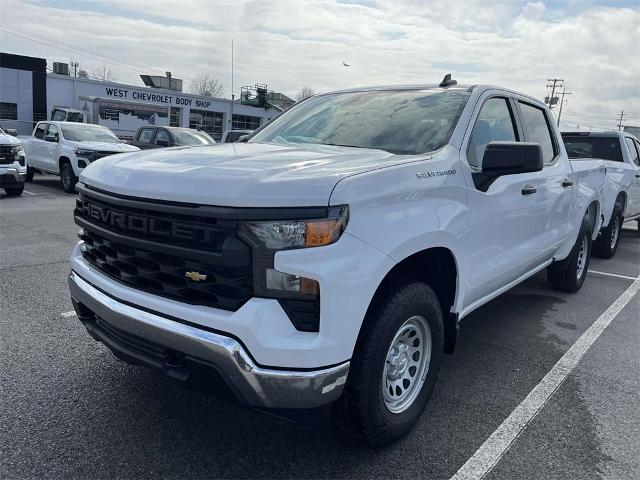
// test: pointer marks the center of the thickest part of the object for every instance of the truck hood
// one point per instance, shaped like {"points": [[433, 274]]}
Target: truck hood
{"points": [[105, 146], [9, 139], [237, 174]]}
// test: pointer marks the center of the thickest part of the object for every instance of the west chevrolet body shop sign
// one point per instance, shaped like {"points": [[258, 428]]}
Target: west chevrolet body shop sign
{"points": [[156, 98]]}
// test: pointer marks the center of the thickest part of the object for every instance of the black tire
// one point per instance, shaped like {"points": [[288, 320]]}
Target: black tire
{"points": [[568, 275], [362, 408], [30, 173], [68, 178], [607, 243], [14, 191]]}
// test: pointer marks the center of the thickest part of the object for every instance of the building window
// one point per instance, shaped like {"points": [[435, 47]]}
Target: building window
{"points": [[245, 122], [174, 117], [8, 111], [210, 122]]}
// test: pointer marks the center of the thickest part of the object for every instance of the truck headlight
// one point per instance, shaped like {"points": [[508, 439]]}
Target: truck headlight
{"points": [[299, 296], [82, 152], [286, 234], [18, 154]]}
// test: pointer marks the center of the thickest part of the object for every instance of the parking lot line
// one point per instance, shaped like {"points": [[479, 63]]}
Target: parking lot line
{"points": [[72, 313], [494, 447], [626, 277], [30, 193]]}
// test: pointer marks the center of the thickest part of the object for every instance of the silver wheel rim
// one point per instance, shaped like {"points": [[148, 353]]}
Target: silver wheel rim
{"points": [[582, 257], [407, 364], [615, 231]]}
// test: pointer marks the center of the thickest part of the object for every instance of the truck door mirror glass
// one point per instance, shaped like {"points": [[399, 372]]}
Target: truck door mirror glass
{"points": [[509, 158]]}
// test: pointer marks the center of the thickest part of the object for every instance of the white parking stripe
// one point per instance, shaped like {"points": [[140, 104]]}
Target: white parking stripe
{"points": [[72, 313], [611, 275], [30, 193], [492, 450]]}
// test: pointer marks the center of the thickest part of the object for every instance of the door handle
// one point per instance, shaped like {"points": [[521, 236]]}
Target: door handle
{"points": [[567, 182], [529, 190]]}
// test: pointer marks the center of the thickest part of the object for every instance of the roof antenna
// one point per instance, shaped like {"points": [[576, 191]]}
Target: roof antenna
{"points": [[447, 81]]}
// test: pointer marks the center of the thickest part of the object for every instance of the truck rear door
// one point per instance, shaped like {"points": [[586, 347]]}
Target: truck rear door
{"points": [[633, 207]]}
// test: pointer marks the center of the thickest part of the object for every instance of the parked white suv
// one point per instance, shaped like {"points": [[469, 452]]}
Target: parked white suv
{"points": [[67, 148], [331, 258], [12, 164]]}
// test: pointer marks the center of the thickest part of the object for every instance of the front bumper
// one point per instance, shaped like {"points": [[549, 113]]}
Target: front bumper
{"points": [[11, 177], [183, 351]]}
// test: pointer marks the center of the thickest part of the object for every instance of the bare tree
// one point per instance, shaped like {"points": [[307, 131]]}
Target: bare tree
{"points": [[102, 73], [207, 84], [303, 93]]}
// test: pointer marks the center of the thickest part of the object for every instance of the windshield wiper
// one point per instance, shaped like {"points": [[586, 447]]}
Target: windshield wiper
{"points": [[390, 150]]}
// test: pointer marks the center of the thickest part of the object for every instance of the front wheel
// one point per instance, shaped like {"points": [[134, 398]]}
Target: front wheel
{"points": [[14, 191], [395, 363], [568, 275], [30, 173], [68, 178], [609, 238]]}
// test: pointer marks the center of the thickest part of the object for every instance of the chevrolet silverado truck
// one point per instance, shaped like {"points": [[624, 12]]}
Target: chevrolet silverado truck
{"points": [[13, 169], [67, 148], [330, 258], [619, 154]]}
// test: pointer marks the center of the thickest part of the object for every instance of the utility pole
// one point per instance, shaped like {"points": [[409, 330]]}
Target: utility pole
{"points": [[75, 66], [552, 83], [561, 103], [620, 121], [232, 94]]}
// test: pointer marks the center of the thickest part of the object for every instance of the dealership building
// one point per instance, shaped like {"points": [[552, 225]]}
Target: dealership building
{"points": [[28, 93]]}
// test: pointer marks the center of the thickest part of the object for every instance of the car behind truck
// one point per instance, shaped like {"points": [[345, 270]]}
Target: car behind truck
{"points": [[331, 258], [618, 153]]}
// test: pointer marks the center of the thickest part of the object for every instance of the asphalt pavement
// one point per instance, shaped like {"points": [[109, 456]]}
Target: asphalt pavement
{"points": [[70, 409]]}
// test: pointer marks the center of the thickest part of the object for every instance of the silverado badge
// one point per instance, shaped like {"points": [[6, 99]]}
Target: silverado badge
{"points": [[195, 276]]}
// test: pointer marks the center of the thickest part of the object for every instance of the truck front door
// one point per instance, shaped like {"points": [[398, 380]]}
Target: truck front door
{"points": [[50, 157], [500, 241]]}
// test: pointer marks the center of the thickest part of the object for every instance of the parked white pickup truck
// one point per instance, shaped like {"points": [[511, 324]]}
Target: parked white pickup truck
{"points": [[12, 164], [619, 155], [66, 148], [331, 257]]}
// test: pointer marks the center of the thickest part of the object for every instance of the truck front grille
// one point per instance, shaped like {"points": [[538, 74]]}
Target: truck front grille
{"points": [[6, 155], [178, 252]]}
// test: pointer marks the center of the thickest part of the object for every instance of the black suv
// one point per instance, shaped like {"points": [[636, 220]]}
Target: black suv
{"points": [[159, 137]]}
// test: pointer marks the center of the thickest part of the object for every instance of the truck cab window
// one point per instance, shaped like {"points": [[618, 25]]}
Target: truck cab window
{"points": [[40, 130], [536, 130], [162, 135], [146, 135], [494, 124], [637, 160], [632, 150], [52, 131]]}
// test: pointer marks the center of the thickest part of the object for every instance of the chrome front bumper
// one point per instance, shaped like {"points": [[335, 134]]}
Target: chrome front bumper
{"points": [[172, 344]]}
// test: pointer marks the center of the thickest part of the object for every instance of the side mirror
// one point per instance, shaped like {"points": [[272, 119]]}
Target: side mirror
{"points": [[243, 139], [510, 158], [50, 138], [11, 131], [162, 142]]}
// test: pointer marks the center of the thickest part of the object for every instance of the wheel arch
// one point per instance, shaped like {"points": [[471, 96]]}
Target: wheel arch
{"points": [[437, 267], [62, 160]]}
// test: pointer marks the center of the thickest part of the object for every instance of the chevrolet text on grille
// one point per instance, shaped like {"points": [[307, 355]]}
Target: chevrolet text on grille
{"points": [[150, 225]]}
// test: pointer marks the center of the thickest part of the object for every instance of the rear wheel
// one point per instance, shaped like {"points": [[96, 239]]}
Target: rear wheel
{"points": [[607, 243], [14, 191], [68, 178], [395, 363], [568, 275]]}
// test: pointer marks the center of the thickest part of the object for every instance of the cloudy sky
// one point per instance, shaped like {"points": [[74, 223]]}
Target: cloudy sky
{"points": [[593, 45]]}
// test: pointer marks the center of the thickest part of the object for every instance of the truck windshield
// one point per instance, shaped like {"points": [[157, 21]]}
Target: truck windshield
{"points": [[404, 122], [191, 137], [88, 133], [605, 148]]}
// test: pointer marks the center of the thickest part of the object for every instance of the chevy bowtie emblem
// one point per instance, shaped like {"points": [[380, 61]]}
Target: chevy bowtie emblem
{"points": [[195, 276]]}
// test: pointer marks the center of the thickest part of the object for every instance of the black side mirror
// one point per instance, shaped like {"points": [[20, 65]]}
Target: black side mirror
{"points": [[162, 142], [11, 131], [243, 138], [510, 158]]}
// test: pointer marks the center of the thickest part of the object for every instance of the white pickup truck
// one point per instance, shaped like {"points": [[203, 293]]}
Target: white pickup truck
{"points": [[67, 148], [12, 164], [619, 155], [331, 257]]}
